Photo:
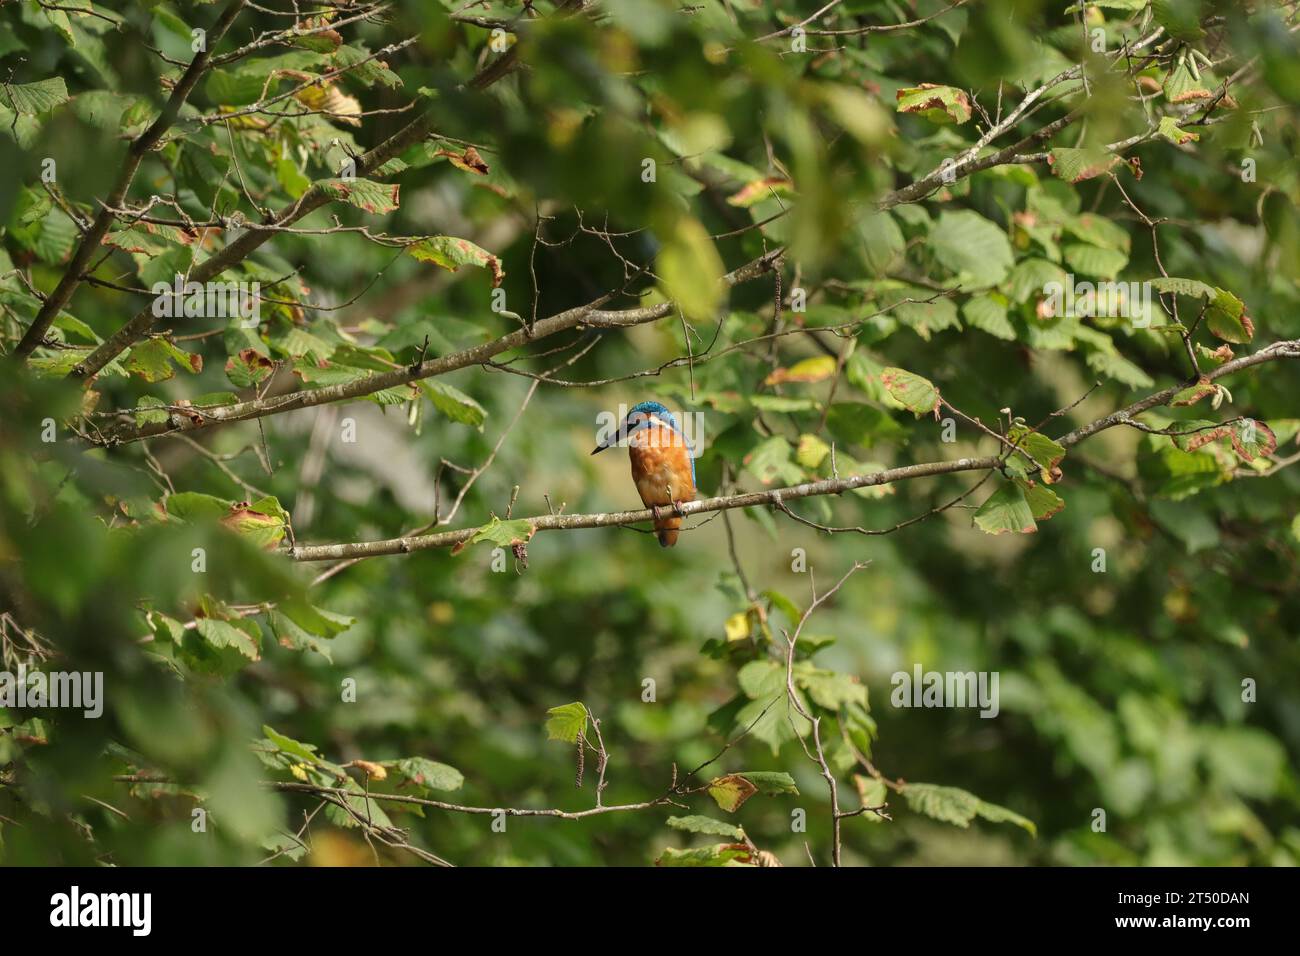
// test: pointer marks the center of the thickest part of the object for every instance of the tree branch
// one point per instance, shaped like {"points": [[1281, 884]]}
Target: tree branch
{"points": [[584, 316], [777, 497], [773, 498]]}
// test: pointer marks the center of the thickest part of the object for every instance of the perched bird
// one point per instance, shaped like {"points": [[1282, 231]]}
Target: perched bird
{"points": [[662, 466]]}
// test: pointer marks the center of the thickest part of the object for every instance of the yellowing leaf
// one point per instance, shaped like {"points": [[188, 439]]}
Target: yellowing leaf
{"points": [[815, 369], [760, 189], [375, 771], [737, 626], [811, 451], [938, 104], [451, 253], [468, 160], [731, 791], [1227, 318], [1171, 131]]}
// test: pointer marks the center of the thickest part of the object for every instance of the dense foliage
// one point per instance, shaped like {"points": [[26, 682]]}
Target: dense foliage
{"points": [[354, 582]]}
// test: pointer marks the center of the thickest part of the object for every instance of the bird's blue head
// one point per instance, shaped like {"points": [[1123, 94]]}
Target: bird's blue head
{"points": [[641, 413], [639, 416], [644, 415]]}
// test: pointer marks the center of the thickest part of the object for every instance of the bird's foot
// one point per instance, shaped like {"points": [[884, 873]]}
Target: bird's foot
{"points": [[677, 509]]}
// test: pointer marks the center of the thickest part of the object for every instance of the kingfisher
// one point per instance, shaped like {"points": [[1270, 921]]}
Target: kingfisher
{"points": [[662, 466]]}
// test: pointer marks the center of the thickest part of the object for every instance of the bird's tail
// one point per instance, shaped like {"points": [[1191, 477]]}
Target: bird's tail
{"points": [[667, 529]]}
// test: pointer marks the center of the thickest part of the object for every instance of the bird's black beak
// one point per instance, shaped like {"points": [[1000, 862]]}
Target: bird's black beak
{"points": [[612, 440]]}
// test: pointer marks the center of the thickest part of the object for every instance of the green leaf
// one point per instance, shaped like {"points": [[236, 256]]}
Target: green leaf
{"points": [[691, 269], [152, 360], [1226, 317], [191, 506], [958, 807], [1076, 165], [1030, 278], [770, 462], [856, 423], [362, 65], [1043, 501], [706, 825], [1113, 365], [505, 534], [988, 313], [761, 680], [1246, 760], [1171, 131], [314, 620], [732, 790], [938, 104], [263, 529], [926, 318], [566, 722], [248, 367], [147, 417], [451, 253], [1178, 474], [1180, 18], [1006, 511], [723, 854], [427, 774], [454, 403], [829, 689], [223, 635], [365, 808], [1094, 260], [36, 206], [1098, 231], [288, 633], [882, 242], [31, 99], [1046, 452], [782, 404], [290, 746], [783, 604], [913, 392], [363, 193], [1188, 287], [771, 783], [974, 248]]}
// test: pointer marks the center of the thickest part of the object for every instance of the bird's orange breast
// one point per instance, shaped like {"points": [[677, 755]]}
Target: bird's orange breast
{"points": [[661, 466]]}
